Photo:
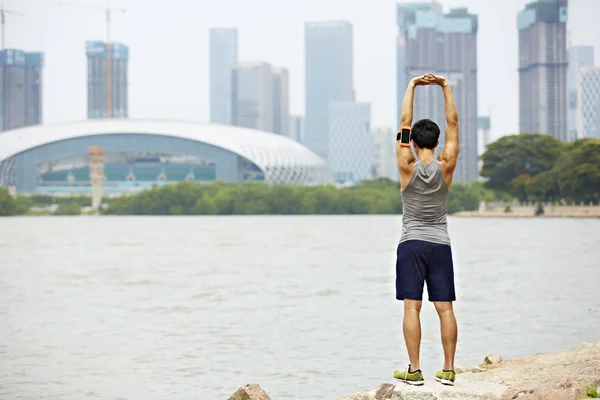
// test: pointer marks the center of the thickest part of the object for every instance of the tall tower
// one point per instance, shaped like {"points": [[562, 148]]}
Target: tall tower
{"points": [[96, 56], [223, 56], [12, 87], [543, 64], [445, 44], [329, 78], [579, 57]]}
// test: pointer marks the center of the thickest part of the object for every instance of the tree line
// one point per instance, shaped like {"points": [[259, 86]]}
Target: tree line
{"points": [[540, 168], [379, 196]]}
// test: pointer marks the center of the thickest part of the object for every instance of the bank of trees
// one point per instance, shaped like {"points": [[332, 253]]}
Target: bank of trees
{"points": [[533, 167], [379, 196]]}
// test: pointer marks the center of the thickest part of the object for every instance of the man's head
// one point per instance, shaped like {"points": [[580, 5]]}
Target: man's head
{"points": [[426, 134]]}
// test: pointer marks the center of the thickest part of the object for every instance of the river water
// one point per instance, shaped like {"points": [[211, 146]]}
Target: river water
{"points": [[159, 308]]}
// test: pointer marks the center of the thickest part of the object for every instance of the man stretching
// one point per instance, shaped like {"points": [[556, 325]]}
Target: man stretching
{"points": [[424, 253]]}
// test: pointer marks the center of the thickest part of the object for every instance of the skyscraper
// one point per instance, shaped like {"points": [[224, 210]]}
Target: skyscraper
{"points": [[34, 63], [281, 100], [329, 77], [223, 55], [385, 164], [20, 88], [12, 86], [543, 63], [588, 98], [579, 57], [252, 96], [445, 44], [350, 141], [97, 80]]}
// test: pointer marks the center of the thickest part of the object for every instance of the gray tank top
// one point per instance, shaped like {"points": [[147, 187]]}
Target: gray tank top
{"points": [[424, 205]]}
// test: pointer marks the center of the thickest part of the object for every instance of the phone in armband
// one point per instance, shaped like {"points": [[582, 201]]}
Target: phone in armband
{"points": [[404, 136]]}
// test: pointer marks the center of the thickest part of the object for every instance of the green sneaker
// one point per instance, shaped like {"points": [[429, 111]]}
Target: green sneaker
{"points": [[412, 378], [445, 377]]}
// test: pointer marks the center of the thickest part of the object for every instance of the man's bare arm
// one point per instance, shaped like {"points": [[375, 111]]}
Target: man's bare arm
{"points": [[404, 154], [450, 153]]}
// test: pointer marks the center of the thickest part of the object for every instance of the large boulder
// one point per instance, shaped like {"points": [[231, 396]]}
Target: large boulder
{"points": [[250, 392]]}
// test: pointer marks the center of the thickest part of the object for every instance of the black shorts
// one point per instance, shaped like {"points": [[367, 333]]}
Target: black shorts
{"points": [[418, 262]]}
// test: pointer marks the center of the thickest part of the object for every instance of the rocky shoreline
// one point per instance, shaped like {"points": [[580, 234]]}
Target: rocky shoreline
{"points": [[558, 376]]}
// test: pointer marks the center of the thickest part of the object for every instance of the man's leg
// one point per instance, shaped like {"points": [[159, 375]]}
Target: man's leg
{"points": [[449, 331], [412, 331]]}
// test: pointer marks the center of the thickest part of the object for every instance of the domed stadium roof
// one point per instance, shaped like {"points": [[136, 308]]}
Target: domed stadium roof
{"points": [[281, 159]]}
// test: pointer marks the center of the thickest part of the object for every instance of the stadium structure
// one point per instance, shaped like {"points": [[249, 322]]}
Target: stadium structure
{"points": [[138, 154]]}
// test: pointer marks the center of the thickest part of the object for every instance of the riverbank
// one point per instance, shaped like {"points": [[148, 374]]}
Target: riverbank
{"points": [[550, 211], [560, 376]]}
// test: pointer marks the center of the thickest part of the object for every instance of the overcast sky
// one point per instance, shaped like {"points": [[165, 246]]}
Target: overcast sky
{"points": [[168, 39]]}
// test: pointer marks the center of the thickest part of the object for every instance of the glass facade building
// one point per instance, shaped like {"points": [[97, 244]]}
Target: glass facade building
{"points": [[579, 57], [350, 142], [329, 77], [223, 56], [588, 101]]}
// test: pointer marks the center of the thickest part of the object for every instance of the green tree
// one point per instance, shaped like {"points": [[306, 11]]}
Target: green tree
{"points": [[578, 172], [8, 205], [517, 155]]}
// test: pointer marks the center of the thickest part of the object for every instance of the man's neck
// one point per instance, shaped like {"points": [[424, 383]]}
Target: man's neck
{"points": [[426, 156]]}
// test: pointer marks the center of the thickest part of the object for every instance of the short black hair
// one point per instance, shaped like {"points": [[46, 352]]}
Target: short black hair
{"points": [[426, 134]]}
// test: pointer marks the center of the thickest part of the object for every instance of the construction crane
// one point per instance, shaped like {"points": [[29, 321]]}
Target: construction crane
{"points": [[108, 10], [2, 15]]}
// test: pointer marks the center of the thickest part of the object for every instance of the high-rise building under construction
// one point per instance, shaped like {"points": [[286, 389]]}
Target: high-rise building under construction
{"points": [[20, 88], [97, 80]]}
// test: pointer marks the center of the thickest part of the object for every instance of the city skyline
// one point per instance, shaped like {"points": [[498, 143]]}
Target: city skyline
{"points": [[372, 79]]}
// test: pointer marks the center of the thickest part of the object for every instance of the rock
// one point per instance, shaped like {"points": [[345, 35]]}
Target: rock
{"points": [[492, 359], [250, 392], [464, 370], [359, 396], [463, 390], [384, 391]]}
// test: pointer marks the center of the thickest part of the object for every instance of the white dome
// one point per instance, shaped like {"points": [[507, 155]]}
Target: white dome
{"points": [[281, 159]]}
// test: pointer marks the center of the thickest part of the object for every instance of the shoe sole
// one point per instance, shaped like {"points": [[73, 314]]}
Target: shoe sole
{"points": [[413, 383], [444, 381]]}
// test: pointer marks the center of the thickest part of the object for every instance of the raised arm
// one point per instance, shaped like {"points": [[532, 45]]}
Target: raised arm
{"points": [[404, 154], [449, 155]]}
